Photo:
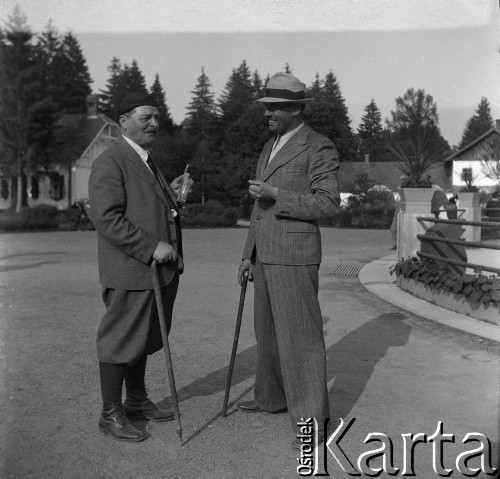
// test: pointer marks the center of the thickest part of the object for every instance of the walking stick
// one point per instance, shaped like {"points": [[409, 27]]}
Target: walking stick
{"points": [[166, 347], [235, 343]]}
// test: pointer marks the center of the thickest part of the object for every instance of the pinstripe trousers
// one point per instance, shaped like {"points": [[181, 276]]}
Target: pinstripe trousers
{"points": [[291, 357]]}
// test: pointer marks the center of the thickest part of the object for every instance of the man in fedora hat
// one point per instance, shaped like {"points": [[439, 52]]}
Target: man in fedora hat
{"points": [[296, 185], [135, 213]]}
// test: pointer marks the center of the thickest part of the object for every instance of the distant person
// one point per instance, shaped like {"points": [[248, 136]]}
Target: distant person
{"points": [[136, 216], [493, 207], [493, 212], [438, 201], [451, 208], [296, 184], [394, 225]]}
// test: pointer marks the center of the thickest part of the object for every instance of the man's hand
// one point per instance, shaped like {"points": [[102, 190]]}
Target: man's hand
{"points": [[176, 184], [165, 253], [245, 265], [261, 190]]}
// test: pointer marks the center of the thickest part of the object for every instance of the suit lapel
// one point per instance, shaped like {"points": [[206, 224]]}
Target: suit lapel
{"points": [[142, 170], [294, 146], [264, 158]]}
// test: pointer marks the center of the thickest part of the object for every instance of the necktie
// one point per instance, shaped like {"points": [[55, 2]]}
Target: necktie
{"points": [[154, 169], [273, 149]]}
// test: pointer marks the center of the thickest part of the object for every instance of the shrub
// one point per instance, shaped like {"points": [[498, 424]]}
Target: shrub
{"points": [[211, 214], [476, 288], [41, 217], [373, 209]]}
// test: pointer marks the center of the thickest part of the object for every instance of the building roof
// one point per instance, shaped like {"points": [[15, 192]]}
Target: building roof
{"points": [[75, 133], [472, 144]]}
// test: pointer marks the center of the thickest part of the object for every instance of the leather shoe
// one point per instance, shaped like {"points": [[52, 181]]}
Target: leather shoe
{"points": [[251, 407], [138, 404], [113, 421]]}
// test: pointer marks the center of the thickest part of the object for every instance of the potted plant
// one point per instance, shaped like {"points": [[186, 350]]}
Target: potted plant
{"points": [[416, 185], [469, 193], [468, 200]]}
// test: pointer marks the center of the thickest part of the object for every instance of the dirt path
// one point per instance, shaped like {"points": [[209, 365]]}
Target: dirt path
{"points": [[392, 371]]}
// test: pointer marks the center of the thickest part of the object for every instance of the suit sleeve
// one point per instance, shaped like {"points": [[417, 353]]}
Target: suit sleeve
{"points": [[108, 202], [249, 250], [323, 199]]}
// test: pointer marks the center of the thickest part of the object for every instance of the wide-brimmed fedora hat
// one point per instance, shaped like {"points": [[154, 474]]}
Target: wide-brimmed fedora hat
{"points": [[284, 88]]}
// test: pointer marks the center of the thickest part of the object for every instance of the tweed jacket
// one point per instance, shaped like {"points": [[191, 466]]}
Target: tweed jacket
{"points": [[131, 213], [305, 171]]}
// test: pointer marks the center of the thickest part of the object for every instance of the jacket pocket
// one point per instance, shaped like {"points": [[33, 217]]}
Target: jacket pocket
{"points": [[300, 226]]}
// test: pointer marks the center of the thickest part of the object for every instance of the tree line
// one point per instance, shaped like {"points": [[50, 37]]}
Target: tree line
{"points": [[44, 77]]}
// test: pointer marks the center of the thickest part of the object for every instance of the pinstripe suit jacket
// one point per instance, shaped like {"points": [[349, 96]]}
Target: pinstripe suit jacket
{"points": [[131, 213], [305, 171]]}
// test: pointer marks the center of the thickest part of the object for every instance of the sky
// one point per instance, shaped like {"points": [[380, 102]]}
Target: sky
{"points": [[377, 49]]}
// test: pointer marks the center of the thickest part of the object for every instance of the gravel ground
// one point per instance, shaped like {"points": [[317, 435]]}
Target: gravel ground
{"points": [[392, 371]]}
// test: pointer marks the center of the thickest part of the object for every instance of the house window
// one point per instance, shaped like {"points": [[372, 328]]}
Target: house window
{"points": [[35, 189], [4, 189], [56, 186]]}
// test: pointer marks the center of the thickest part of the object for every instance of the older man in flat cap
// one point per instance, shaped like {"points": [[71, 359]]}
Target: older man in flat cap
{"points": [[136, 216], [296, 184]]}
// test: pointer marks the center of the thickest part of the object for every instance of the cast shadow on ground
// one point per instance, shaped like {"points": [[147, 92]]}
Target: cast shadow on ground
{"points": [[17, 267], [34, 253], [352, 359], [350, 363]]}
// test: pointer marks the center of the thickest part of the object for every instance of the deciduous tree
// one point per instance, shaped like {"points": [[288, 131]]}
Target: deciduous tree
{"points": [[415, 122]]}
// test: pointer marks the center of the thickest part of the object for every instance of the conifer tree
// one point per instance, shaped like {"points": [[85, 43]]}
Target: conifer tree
{"points": [[328, 115], [203, 134], [158, 94], [108, 95], [74, 77], [243, 142], [27, 114], [315, 89], [47, 49], [237, 95], [201, 110], [123, 80], [371, 134], [478, 124], [66, 77], [257, 85]]}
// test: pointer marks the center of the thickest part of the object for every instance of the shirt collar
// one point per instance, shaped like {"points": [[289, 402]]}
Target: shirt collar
{"points": [[284, 138], [138, 149]]}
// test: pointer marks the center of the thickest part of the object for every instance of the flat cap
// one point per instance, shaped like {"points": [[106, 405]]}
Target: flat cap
{"points": [[133, 100]]}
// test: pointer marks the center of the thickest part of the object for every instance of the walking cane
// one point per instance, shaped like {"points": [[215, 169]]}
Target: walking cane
{"points": [[235, 343], [166, 347]]}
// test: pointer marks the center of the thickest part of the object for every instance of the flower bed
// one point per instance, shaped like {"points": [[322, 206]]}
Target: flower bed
{"points": [[476, 295]]}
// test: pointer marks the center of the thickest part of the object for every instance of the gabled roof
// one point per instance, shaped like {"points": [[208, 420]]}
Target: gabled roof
{"points": [[76, 132], [472, 144]]}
